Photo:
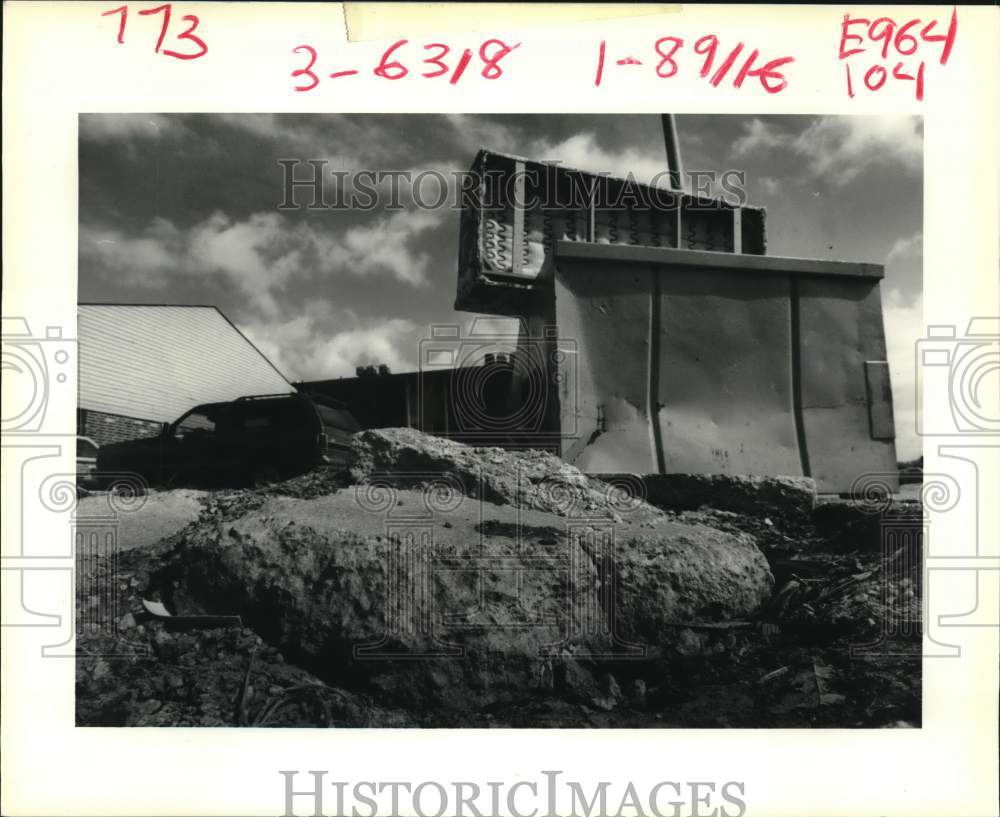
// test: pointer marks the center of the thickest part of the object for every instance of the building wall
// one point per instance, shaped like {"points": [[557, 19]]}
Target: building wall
{"points": [[105, 428], [157, 362], [470, 404]]}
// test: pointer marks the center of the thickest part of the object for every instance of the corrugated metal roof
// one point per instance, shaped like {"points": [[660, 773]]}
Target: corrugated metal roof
{"points": [[156, 362]]}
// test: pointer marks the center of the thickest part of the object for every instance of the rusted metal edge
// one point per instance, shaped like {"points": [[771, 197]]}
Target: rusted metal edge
{"points": [[665, 256]]}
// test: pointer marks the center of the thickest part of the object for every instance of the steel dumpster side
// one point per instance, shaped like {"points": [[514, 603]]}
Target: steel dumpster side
{"points": [[699, 362]]}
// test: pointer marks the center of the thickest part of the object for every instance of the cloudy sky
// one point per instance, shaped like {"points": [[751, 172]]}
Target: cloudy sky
{"points": [[183, 209]]}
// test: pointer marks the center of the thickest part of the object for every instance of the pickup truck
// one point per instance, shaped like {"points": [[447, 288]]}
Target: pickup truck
{"points": [[248, 441]]}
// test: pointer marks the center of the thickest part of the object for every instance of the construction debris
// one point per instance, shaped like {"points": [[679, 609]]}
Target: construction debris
{"points": [[519, 615], [404, 457]]}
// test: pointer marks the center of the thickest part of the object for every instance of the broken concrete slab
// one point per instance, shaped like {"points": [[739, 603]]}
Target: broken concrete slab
{"points": [[498, 602], [530, 478], [144, 520], [856, 524], [764, 496]]}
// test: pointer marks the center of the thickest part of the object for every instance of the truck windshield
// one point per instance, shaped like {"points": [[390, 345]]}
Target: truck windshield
{"points": [[337, 418]]}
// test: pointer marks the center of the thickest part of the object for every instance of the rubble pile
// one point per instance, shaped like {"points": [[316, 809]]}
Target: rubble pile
{"points": [[154, 676], [529, 607], [529, 479]]}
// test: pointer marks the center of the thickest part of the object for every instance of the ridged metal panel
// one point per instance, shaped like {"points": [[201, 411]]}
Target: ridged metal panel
{"points": [[841, 334], [156, 362], [726, 390], [696, 362], [603, 391]]}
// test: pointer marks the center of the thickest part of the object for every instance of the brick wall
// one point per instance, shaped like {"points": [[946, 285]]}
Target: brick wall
{"points": [[113, 428]]}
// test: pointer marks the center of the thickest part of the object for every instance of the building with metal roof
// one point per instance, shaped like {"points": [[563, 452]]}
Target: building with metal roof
{"points": [[141, 366]]}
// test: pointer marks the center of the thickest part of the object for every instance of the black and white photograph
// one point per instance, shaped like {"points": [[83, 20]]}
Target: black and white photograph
{"points": [[499, 421], [499, 410]]}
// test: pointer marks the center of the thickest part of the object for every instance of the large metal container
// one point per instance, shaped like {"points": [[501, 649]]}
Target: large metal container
{"points": [[659, 338], [702, 362]]}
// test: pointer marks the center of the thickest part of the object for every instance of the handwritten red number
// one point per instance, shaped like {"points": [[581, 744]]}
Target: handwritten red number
{"points": [[442, 68], [123, 11], [901, 35], [463, 63], [398, 69], [491, 69], [711, 42], [884, 33], [190, 35], [165, 8], [897, 73], [948, 39], [668, 58], [879, 73], [307, 71]]}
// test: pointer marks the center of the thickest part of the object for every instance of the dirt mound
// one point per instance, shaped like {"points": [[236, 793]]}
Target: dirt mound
{"points": [[525, 590], [404, 457], [498, 602], [321, 481], [777, 497]]}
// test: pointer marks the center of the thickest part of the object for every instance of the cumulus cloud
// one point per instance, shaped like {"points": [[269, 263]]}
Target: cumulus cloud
{"points": [[306, 348], [103, 127], [759, 135], [384, 246], [839, 148], [770, 184], [473, 132], [143, 260], [327, 342], [261, 255], [582, 152], [906, 249]]}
